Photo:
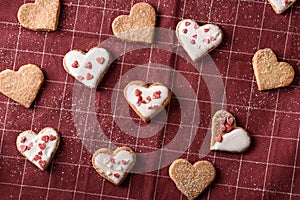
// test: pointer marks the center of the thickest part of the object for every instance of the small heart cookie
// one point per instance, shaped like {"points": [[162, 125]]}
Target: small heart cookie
{"points": [[114, 165], [197, 40], [226, 136], [190, 179], [40, 16], [147, 101], [269, 72], [38, 148], [138, 26], [88, 68], [22, 86], [280, 6]]}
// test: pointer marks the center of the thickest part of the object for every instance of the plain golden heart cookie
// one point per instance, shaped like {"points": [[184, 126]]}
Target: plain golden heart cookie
{"points": [[115, 165], [38, 148], [138, 26], [23, 85], [190, 179], [147, 101], [269, 72], [226, 136], [42, 15]]}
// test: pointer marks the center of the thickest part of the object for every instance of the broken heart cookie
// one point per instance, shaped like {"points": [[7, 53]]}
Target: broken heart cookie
{"points": [[269, 72], [88, 68], [42, 15], [114, 165], [190, 179], [197, 40], [23, 85], [38, 148], [226, 136], [147, 101], [280, 6], [138, 26]]}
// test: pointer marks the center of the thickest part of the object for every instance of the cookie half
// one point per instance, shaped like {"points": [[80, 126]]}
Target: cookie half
{"points": [[279, 6]]}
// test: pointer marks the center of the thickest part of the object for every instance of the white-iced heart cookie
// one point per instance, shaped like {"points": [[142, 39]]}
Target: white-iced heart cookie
{"points": [[280, 6], [147, 101], [38, 148], [197, 40], [114, 165], [226, 136], [88, 68]]}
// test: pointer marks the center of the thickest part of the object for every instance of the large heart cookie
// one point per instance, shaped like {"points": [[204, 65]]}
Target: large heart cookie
{"points": [[38, 148], [269, 72], [197, 40], [226, 136], [22, 86], [114, 166], [280, 6], [138, 26], [190, 179], [88, 68], [40, 16], [147, 101]]}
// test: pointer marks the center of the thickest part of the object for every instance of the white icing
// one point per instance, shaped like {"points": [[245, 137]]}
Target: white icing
{"points": [[35, 149], [235, 141], [97, 68], [144, 108], [118, 167], [281, 5], [200, 48]]}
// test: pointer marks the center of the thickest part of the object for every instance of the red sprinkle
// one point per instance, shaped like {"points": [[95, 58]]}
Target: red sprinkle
{"points": [[116, 175], [156, 94], [185, 31], [156, 106], [187, 23], [206, 30], [80, 78], [228, 128], [137, 92], [196, 26], [42, 146], [100, 60], [195, 36], [123, 162], [30, 144], [89, 76], [143, 102], [40, 153], [42, 163], [23, 148], [37, 157], [219, 138], [207, 41], [193, 41], [45, 138], [212, 38], [150, 108], [52, 137], [75, 64], [138, 103], [286, 1], [140, 98], [148, 98], [23, 138], [88, 65]]}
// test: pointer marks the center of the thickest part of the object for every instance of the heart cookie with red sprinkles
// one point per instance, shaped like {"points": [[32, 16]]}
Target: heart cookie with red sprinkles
{"points": [[190, 179], [88, 68], [279, 6], [38, 148], [226, 136], [115, 165], [147, 101], [197, 40]]}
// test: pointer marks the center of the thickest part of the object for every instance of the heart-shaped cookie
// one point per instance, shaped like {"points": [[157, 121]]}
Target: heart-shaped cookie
{"points": [[197, 40], [280, 6], [88, 68], [38, 148], [190, 179], [114, 165], [226, 136], [42, 15], [138, 26], [147, 101], [23, 85], [269, 72]]}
